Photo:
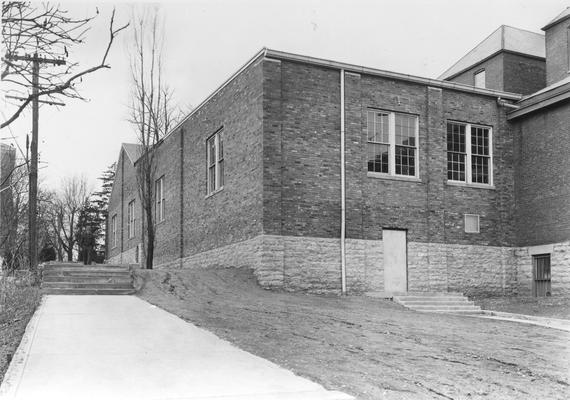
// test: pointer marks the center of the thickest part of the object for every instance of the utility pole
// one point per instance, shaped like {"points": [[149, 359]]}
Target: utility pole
{"points": [[33, 167]]}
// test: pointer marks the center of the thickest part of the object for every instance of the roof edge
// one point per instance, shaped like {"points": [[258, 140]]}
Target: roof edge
{"points": [[266, 52], [556, 20], [542, 100]]}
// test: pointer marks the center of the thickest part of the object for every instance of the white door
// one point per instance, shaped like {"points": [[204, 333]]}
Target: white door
{"points": [[395, 260]]}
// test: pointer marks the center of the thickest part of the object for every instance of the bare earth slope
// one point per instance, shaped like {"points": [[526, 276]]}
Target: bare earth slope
{"points": [[367, 347]]}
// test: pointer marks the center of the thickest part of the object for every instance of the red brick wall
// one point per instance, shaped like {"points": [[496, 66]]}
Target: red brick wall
{"points": [[557, 52], [307, 203], [542, 181], [509, 72]]}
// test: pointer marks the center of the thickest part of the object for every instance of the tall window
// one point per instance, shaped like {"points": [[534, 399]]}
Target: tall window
{"points": [[479, 79], [131, 220], [159, 195], [469, 153], [392, 143], [215, 161], [114, 231]]}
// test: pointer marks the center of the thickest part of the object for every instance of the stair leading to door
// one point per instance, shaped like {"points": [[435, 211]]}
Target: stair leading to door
{"points": [[86, 279], [455, 303]]}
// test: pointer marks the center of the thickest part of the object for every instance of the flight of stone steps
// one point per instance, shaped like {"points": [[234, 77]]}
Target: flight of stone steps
{"points": [[455, 303], [68, 278]]}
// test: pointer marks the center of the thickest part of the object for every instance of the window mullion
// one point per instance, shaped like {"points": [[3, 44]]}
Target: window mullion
{"points": [[490, 135], [217, 161], [392, 146]]}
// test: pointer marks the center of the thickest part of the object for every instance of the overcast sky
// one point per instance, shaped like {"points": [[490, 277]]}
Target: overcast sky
{"points": [[206, 41]]}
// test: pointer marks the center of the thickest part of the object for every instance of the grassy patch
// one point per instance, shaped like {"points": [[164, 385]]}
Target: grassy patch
{"points": [[371, 348], [553, 306], [18, 301]]}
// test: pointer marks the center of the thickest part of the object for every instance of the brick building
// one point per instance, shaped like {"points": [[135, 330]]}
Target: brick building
{"points": [[321, 175]]}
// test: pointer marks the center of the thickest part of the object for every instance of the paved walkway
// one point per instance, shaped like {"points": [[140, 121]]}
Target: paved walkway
{"points": [[121, 347]]}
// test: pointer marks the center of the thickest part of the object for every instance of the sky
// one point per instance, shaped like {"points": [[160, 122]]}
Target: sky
{"points": [[207, 41]]}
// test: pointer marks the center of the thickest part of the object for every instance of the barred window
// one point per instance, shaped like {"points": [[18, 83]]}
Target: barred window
{"points": [[469, 155], [215, 162], [392, 143]]}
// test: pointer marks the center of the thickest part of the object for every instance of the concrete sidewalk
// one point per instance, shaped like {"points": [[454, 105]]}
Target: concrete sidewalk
{"points": [[121, 347]]}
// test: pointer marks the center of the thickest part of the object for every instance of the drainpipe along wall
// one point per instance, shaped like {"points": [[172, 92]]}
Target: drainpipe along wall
{"points": [[342, 190]]}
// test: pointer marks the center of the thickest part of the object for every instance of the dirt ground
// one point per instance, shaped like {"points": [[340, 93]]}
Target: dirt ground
{"points": [[17, 305], [554, 307], [370, 348]]}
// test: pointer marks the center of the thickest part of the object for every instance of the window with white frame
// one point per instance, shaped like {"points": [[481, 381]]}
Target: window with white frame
{"points": [[159, 199], [114, 230], [215, 161], [479, 78], [469, 153], [392, 143], [131, 220]]}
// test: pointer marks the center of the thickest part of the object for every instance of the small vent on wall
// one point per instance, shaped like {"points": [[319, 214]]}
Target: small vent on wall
{"points": [[471, 223]]}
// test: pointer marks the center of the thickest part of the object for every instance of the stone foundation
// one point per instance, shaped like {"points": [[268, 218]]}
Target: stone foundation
{"points": [[313, 265], [126, 257]]}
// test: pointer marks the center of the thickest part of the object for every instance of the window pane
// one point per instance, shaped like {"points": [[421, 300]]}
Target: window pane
{"points": [[455, 137], [480, 79], [405, 129], [211, 179], [405, 161], [378, 127], [220, 174], [479, 169], [211, 151], [480, 141], [378, 157], [221, 145], [456, 166]]}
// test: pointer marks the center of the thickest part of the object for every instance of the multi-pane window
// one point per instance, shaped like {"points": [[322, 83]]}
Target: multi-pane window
{"points": [[392, 143], [159, 197], [469, 155], [114, 230], [131, 219], [215, 161]]}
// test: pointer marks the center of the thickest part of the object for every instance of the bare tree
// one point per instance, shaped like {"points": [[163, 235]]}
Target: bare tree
{"points": [[151, 112], [43, 32], [67, 206]]}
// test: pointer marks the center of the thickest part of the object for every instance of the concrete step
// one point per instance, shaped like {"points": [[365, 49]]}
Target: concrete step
{"points": [[428, 298], [80, 291], [65, 278], [84, 269], [88, 278], [87, 285], [438, 302]]}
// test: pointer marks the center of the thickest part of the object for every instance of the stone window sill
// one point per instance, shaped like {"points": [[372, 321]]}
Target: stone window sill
{"points": [[470, 185], [378, 175], [214, 192]]}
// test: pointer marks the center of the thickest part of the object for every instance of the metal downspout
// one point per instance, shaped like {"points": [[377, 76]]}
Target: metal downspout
{"points": [[342, 190]]}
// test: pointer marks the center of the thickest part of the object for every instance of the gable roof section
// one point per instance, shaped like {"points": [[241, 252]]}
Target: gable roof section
{"points": [[559, 18], [505, 38], [133, 151]]}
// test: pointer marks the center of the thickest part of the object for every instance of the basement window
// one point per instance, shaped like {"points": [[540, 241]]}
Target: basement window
{"points": [[471, 223], [392, 144], [215, 162]]}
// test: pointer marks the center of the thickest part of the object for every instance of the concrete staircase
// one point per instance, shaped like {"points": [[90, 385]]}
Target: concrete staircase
{"points": [[454, 303], [86, 279]]}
